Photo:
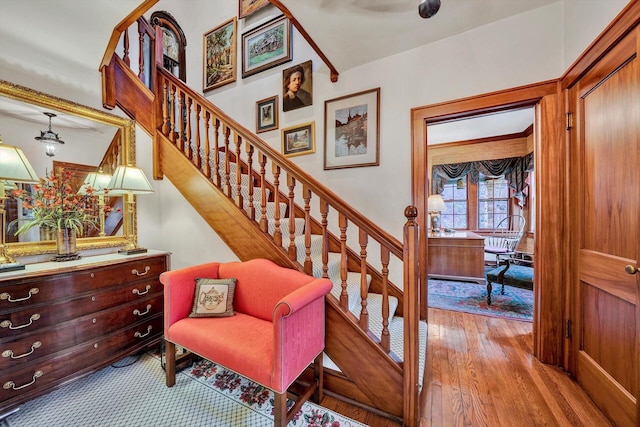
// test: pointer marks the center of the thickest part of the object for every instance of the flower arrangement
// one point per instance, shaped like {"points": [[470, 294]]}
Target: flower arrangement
{"points": [[56, 205]]}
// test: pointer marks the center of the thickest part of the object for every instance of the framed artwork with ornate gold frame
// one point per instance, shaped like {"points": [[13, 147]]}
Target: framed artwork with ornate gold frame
{"points": [[247, 7], [298, 140], [219, 51]]}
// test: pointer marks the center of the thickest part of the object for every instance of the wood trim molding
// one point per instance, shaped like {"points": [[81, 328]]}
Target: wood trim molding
{"points": [[307, 37]]}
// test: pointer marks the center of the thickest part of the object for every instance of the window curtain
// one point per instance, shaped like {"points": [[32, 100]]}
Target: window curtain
{"points": [[514, 169]]}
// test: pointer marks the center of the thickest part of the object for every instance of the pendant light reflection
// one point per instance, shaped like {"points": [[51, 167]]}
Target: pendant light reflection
{"points": [[49, 137]]}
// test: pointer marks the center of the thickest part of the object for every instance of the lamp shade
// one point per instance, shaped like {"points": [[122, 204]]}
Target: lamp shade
{"points": [[128, 179], [435, 203], [14, 165], [96, 180]]}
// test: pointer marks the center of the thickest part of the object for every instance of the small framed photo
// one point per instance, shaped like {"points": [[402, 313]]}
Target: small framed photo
{"points": [[266, 46], [352, 130], [267, 114], [297, 86], [247, 7], [220, 55], [299, 140]]}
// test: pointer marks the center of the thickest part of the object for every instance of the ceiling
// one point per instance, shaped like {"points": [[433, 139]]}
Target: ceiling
{"points": [[372, 29]]}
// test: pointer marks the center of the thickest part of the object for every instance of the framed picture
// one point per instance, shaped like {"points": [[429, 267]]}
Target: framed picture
{"points": [[266, 46], [352, 130], [220, 55], [297, 87], [267, 114], [247, 7], [299, 140]]}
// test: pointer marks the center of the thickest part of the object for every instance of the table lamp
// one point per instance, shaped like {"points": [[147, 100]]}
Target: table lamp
{"points": [[435, 205], [14, 167], [128, 181], [98, 181]]}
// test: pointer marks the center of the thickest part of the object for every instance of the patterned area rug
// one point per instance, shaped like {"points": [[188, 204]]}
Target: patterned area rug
{"points": [[516, 304], [133, 393]]}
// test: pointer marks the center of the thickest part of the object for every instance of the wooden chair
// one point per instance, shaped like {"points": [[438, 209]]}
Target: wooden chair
{"points": [[504, 237]]}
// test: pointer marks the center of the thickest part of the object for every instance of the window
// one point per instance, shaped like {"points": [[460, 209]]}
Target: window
{"points": [[493, 201], [455, 197]]}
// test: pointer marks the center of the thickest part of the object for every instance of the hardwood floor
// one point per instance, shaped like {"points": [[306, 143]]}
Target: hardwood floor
{"points": [[482, 373]]}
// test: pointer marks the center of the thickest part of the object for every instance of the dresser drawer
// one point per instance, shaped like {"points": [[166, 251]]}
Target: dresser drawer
{"points": [[46, 341], [34, 378], [45, 289], [31, 319]]}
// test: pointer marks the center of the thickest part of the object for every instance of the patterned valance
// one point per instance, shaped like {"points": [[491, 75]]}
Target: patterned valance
{"points": [[514, 169]]}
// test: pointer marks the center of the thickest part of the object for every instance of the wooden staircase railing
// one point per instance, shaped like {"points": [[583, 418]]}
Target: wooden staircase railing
{"points": [[253, 174]]}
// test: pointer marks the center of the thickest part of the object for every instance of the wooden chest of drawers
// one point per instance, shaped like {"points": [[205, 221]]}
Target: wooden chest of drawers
{"points": [[59, 321]]}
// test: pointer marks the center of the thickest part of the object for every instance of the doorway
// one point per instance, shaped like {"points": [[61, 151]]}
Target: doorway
{"points": [[481, 167], [549, 252]]}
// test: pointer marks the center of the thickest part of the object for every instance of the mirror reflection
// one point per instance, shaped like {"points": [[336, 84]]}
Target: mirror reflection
{"points": [[58, 135]]}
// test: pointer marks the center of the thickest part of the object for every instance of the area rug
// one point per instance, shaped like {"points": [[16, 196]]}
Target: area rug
{"points": [[133, 393], [468, 297]]}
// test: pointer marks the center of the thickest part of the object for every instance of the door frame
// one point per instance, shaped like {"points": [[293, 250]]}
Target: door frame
{"points": [[551, 244]]}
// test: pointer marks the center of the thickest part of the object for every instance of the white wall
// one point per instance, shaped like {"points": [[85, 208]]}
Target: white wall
{"points": [[528, 48]]}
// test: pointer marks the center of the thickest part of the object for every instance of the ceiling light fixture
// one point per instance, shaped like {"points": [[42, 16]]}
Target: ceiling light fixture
{"points": [[49, 137], [428, 8]]}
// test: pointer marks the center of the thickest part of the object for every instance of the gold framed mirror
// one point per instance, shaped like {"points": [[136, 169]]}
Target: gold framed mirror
{"points": [[109, 141]]}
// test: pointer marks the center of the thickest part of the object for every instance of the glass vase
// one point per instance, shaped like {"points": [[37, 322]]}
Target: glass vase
{"points": [[65, 243]]}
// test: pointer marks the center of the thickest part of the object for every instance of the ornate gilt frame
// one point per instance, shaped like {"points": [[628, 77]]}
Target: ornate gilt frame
{"points": [[127, 127]]}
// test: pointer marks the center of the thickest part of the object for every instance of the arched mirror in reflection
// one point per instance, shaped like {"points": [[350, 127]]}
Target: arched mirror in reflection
{"points": [[92, 141]]}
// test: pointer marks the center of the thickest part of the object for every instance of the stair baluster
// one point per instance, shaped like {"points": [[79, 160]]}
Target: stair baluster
{"points": [[291, 184], [344, 296], [252, 210], [264, 226], [364, 285]]}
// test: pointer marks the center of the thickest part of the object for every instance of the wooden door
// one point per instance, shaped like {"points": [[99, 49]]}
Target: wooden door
{"points": [[605, 230]]}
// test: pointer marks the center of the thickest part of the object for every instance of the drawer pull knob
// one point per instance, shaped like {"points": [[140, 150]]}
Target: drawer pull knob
{"points": [[146, 291], [9, 353], [12, 385], [8, 324], [139, 313], [7, 296], [140, 335], [137, 273]]}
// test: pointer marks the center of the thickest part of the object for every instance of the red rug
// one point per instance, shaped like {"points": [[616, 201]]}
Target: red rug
{"points": [[515, 304]]}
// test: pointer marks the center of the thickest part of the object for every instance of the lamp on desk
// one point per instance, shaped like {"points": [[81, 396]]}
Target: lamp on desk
{"points": [[128, 181], [435, 205], [97, 181], [14, 167]]}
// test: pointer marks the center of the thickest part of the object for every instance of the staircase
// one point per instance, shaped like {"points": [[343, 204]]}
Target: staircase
{"points": [[262, 205]]}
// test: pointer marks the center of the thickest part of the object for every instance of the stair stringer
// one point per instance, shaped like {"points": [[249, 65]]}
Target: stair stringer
{"points": [[360, 360]]}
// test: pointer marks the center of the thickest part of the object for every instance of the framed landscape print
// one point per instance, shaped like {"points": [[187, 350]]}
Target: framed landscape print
{"points": [[266, 46], [247, 7], [299, 140], [352, 130], [267, 114], [219, 60]]}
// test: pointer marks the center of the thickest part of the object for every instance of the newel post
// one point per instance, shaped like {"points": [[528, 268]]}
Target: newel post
{"points": [[411, 262]]}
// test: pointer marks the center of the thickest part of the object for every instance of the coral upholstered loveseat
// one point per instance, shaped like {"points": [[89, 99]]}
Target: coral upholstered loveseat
{"points": [[276, 331]]}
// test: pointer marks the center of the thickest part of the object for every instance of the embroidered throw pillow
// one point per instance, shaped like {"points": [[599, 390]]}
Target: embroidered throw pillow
{"points": [[214, 298]]}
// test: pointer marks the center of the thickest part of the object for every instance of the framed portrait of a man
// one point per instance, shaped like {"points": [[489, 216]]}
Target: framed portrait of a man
{"points": [[297, 87]]}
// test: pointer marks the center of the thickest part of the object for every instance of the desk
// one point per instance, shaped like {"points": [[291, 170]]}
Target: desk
{"points": [[456, 256]]}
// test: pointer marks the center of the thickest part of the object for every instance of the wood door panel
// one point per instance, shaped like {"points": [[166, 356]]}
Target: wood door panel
{"points": [[605, 147], [606, 272], [610, 338], [616, 402]]}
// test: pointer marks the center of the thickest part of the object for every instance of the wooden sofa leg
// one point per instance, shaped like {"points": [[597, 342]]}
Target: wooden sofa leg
{"points": [[170, 363], [280, 409], [318, 374]]}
